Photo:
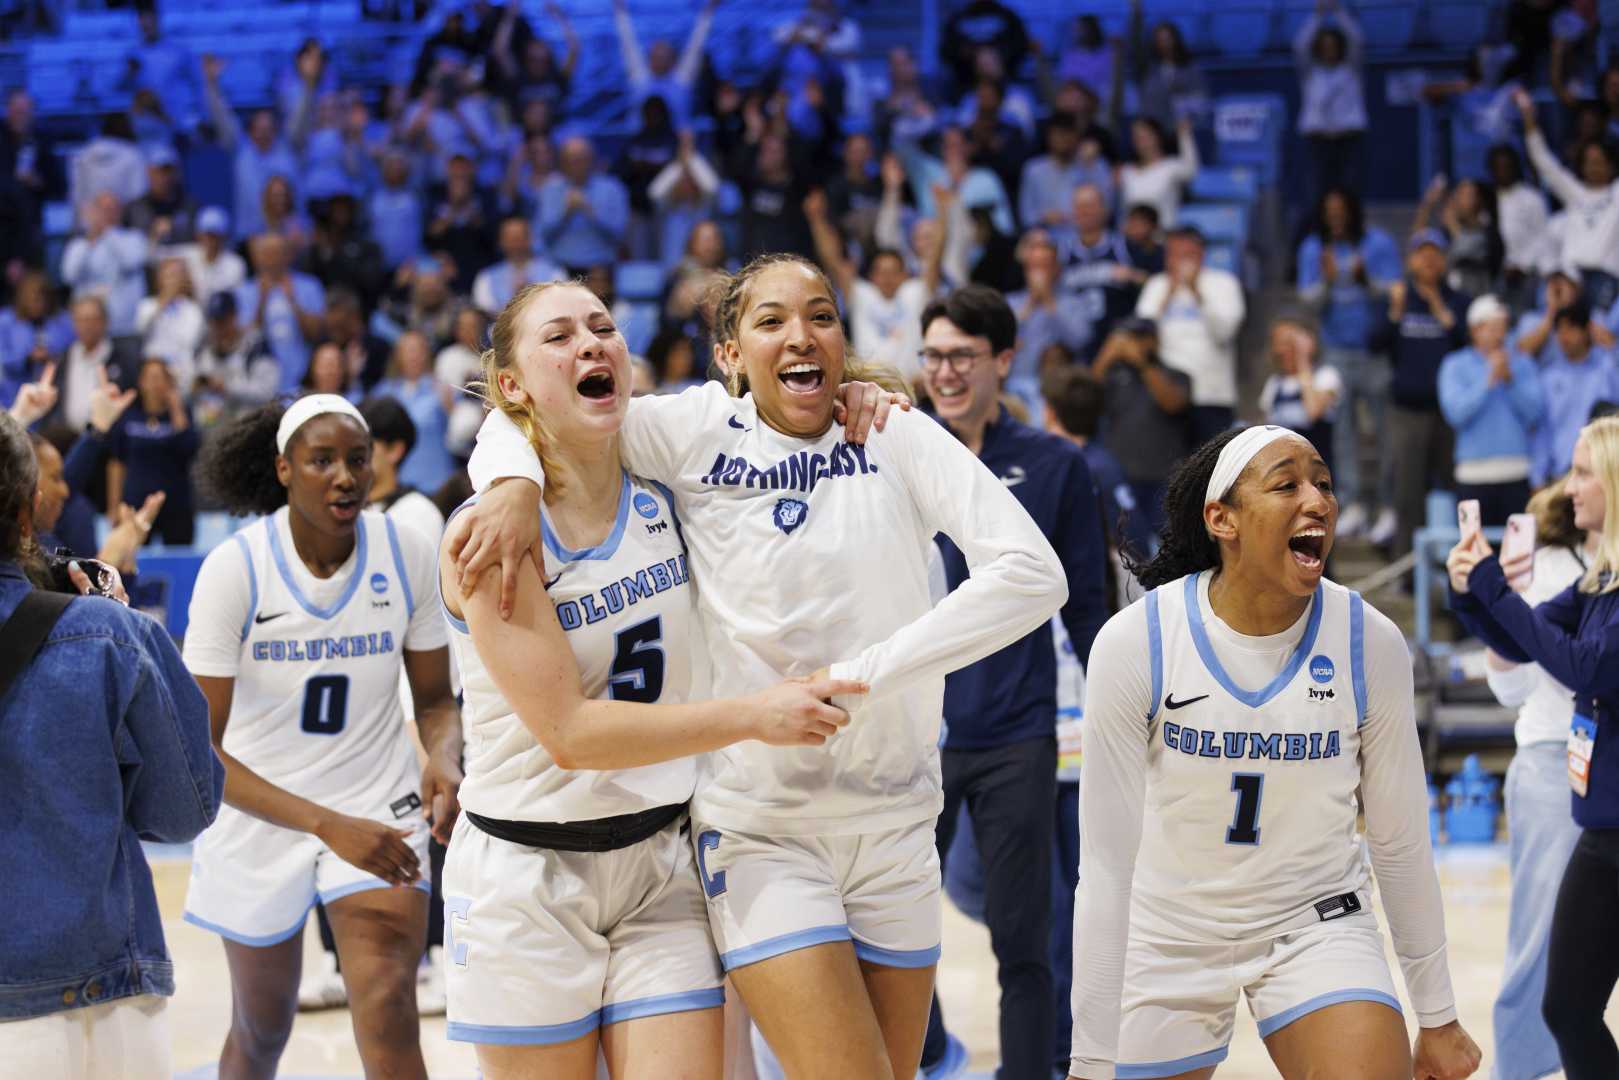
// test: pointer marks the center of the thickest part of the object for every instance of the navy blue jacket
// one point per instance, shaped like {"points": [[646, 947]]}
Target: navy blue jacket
{"points": [[1011, 695], [106, 744], [1575, 637]]}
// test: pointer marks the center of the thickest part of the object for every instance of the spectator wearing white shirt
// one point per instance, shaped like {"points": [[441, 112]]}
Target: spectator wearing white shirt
{"points": [[1155, 178], [496, 285], [107, 260], [457, 364], [109, 162], [659, 70], [88, 364], [885, 304], [1199, 311], [1521, 216], [1332, 106], [213, 266], [170, 323], [1591, 240]]}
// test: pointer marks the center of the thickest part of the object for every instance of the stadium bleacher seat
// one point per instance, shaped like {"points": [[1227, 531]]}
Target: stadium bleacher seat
{"points": [[639, 280], [1224, 183], [638, 322], [1241, 27], [1458, 24], [1221, 223]]}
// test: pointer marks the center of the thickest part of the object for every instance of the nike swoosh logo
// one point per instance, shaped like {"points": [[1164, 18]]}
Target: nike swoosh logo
{"points": [[267, 618], [734, 422], [1171, 703], [1014, 476]]}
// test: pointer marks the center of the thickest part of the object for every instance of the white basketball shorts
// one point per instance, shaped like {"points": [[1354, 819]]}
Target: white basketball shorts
{"points": [[544, 946], [773, 895], [1180, 1001]]}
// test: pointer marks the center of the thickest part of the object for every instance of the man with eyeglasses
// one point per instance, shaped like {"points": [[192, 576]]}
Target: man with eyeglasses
{"points": [[999, 754]]}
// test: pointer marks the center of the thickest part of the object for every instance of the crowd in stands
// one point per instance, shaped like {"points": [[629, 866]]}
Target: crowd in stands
{"points": [[367, 243]]}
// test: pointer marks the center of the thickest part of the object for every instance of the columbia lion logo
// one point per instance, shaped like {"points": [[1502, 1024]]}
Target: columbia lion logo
{"points": [[789, 514], [379, 583], [1321, 669]]}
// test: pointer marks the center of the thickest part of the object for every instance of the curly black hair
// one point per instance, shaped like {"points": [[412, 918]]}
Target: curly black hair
{"points": [[236, 468], [1187, 547]]}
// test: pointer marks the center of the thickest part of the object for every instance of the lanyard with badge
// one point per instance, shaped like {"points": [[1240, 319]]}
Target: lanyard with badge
{"points": [[1582, 737]]}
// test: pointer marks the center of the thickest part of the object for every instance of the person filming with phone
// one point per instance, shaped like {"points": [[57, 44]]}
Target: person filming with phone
{"points": [[1574, 637], [106, 745]]}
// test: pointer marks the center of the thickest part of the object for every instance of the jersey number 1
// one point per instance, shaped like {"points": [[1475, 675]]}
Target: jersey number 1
{"points": [[326, 704], [1245, 826], [637, 673]]}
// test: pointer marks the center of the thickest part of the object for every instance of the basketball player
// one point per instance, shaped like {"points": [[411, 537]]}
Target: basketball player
{"points": [[1249, 710], [818, 862], [574, 912], [299, 629]]}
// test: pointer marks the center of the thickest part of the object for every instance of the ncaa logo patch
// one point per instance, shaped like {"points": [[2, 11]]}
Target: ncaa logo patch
{"points": [[379, 583], [1321, 669], [789, 514], [645, 505]]}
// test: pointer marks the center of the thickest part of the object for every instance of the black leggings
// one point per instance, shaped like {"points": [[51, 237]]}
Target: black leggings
{"points": [[1582, 958]]}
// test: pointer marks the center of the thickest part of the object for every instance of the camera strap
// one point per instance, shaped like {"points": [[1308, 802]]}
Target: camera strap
{"points": [[22, 635]]}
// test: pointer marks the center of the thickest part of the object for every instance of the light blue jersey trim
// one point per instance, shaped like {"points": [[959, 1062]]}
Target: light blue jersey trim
{"points": [[786, 943], [669, 497], [1155, 650], [603, 550], [1337, 997], [252, 584], [897, 958], [331, 896], [1251, 698], [540, 1035], [281, 565], [248, 939], [690, 1001], [438, 578], [399, 566], [1357, 654], [1149, 1070]]}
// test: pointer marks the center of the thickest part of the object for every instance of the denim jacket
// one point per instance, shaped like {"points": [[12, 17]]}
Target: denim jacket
{"points": [[104, 742]]}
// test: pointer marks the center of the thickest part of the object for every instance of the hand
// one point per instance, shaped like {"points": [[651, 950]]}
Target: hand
{"points": [[441, 787], [1444, 1053], [1500, 367], [815, 205], [1329, 266], [1436, 188], [35, 399], [1519, 570], [81, 581], [860, 407], [1397, 293], [1526, 107], [498, 531], [1468, 553], [212, 66], [129, 532], [796, 712], [309, 66], [1601, 335], [161, 228], [577, 200], [376, 848], [107, 402]]}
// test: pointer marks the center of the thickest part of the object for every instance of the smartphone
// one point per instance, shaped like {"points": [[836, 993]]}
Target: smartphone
{"points": [[1467, 517], [1518, 541]]}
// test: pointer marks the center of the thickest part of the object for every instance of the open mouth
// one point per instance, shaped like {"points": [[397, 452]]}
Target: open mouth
{"points": [[597, 385], [345, 509], [1309, 548], [803, 378]]}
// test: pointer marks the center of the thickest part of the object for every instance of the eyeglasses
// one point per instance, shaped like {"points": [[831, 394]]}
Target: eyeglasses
{"points": [[961, 361]]}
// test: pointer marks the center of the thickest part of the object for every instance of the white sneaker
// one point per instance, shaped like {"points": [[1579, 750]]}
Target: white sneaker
{"points": [[1384, 528], [1352, 522], [430, 997], [323, 988]]}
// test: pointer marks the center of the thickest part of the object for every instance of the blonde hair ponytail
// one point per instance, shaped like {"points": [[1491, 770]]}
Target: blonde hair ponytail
{"points": [[1601, 438]]}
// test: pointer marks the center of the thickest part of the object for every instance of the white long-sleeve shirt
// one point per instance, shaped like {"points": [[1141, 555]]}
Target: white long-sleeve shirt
{"points": [[1523, 215], [1157, 863], [809, 553], [1198, 334], [1159, 185], [113, 267], [1592, 236]]}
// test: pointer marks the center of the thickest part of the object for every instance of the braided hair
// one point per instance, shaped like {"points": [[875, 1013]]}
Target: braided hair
{"points": [[236, 468], [1187, 547]]}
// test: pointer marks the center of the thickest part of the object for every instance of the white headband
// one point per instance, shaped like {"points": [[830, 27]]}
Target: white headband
{"points": [[1236, 454], [305, 409]]}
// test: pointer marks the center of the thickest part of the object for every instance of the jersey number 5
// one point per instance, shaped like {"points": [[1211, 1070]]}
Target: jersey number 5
{"points": [[637, 673], [1245, 826], [326, 704]]}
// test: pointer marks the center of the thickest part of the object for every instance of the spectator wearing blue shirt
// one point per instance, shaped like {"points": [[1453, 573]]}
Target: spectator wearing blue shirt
{"points": [[166, 68], [32, 335], [396, 212], [1099, 274], [1000, 752], [659, 70], [411, 383], [109, 261], [974, 185], [150, 449], [1536, 333], [1345, 268], [1582, 374], [1491, 396], [1046, 192], [582, 213], [261, 154], [283, 305], [1046, 316], [1332, 100], [496, 285]]}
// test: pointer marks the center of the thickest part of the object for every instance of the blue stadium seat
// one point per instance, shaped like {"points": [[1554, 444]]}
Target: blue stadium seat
{"points": [[1388, 24], [1458, 24], [1220, 222], [639, 280], [1223, 257], [1225, 183], [1242, 27], [638, 322]]}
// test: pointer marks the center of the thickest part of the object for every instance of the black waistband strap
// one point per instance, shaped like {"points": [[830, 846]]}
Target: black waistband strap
{"points": [[602, 834]]}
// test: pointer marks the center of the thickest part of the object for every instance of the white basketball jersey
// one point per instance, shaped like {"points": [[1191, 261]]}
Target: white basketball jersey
{"points": [[626, 607], [1251, 803], [315, 707]]}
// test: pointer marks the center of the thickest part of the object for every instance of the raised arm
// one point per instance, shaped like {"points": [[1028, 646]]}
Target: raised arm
{"points": [[691, 57], [829, 246], [226, 126], [629, 46]]}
